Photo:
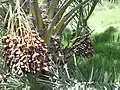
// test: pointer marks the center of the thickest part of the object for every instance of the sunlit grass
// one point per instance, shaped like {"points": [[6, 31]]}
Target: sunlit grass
{"points": [[105, 15]]}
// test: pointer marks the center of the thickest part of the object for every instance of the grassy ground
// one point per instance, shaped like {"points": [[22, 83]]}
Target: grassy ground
{"points": [[105, 15]]}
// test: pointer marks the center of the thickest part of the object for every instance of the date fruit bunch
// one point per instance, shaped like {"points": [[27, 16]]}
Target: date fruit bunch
{"points": [[84, 48], [24, 53]]}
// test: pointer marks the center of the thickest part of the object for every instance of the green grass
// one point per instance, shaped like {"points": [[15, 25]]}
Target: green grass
{"points": [[104, 16]]}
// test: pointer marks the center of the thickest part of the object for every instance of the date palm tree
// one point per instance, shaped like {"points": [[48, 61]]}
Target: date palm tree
{"points": [[50, 18]]}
